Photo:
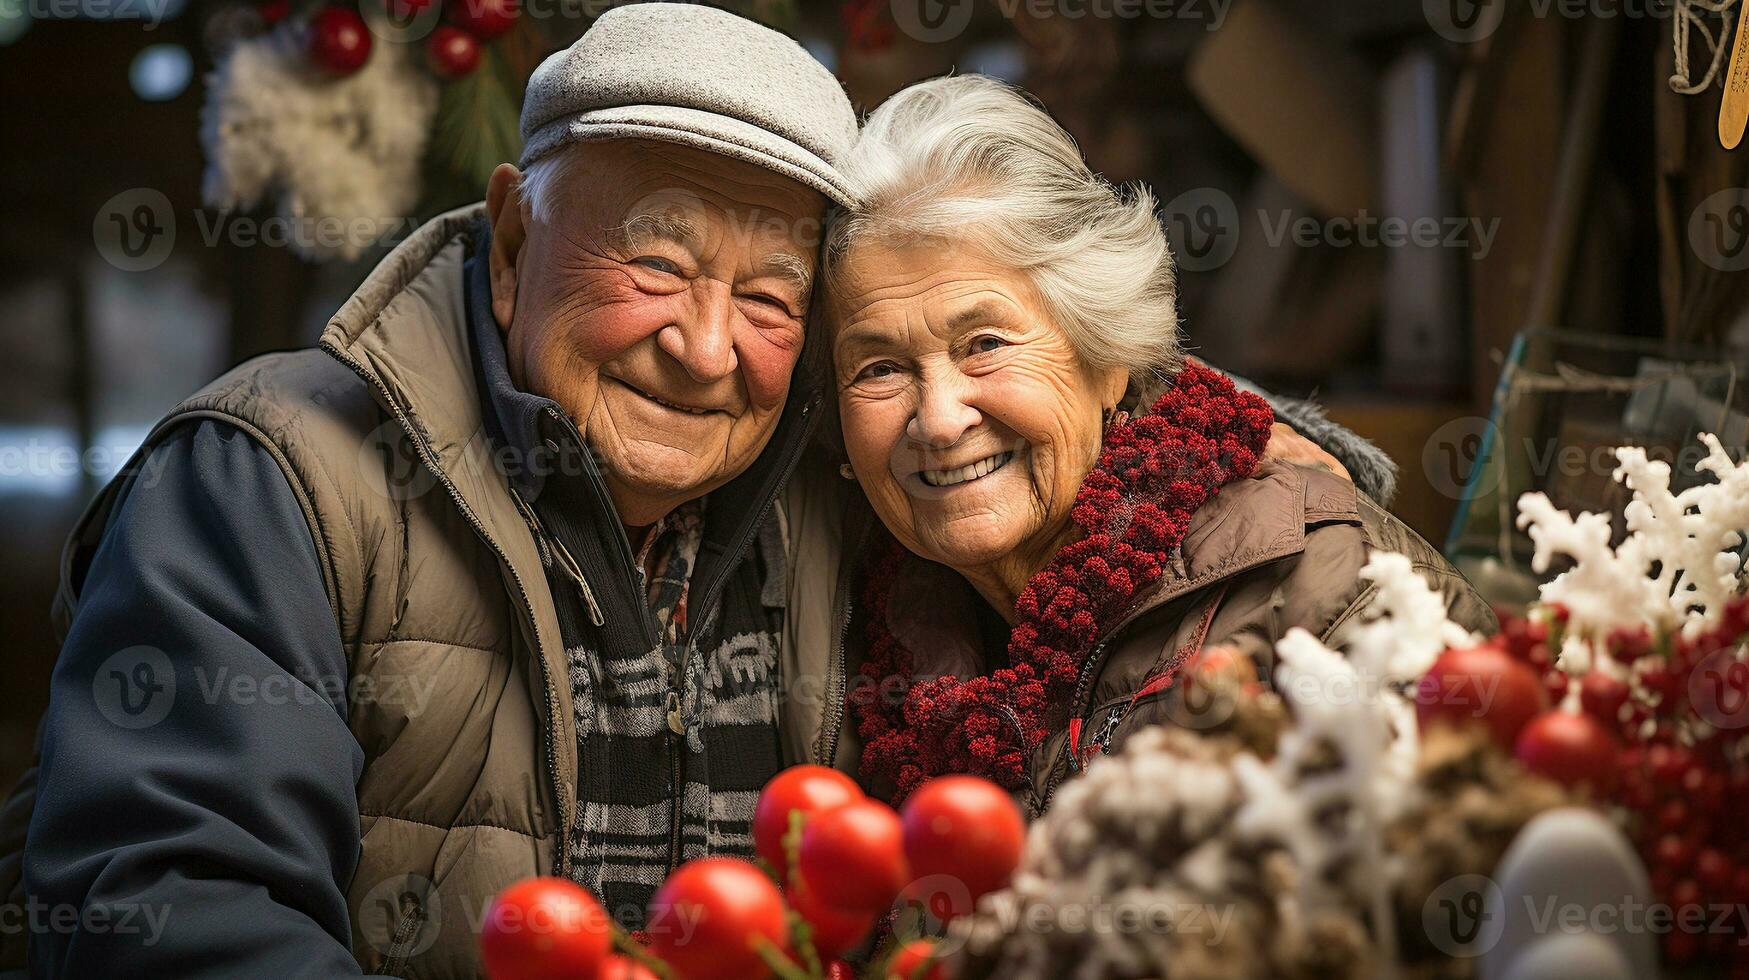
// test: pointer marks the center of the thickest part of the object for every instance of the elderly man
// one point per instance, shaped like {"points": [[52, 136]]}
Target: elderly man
{"points": [[483, 588]]}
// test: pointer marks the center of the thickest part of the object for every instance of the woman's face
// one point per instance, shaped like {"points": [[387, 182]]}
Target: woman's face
{"points": [[968, 416]]}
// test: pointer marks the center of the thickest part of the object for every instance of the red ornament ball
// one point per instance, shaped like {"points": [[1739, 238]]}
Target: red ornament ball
{"points": [[544, 927], [1571, 749], [709, 919], [273, 11], [853, 856], [452, 52], [965, 828], [339, 42], [485, 19], [1481, 685], [809, 789]]}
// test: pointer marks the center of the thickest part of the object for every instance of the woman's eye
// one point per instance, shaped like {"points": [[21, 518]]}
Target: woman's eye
{"points": [[987, 343], [657, 263], [879, 371]]}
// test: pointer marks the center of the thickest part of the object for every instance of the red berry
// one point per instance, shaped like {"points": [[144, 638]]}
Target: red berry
{"points": [[853, 856], [712, 915], [1603, 696], [1570, 748], [339, 41], [967, 829], [1480, 685], [1714, 870], [912, 962], [1673, 816], [1673, 853], [452, 52], [485, 19], [808, 789], [544, 927], [273, 11]]}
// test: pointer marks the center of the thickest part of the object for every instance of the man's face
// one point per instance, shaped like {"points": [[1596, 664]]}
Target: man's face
{"points": [[662, 306]]}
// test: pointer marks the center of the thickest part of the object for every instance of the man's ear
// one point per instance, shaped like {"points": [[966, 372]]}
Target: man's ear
{"points": [[507, 210]]}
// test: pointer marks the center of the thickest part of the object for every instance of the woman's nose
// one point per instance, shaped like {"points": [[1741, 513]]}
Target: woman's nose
{"points": [[702, 339], [943, 415]]}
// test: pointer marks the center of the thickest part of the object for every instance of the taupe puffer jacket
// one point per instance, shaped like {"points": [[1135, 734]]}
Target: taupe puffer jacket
{"points": [[1272, 552]]}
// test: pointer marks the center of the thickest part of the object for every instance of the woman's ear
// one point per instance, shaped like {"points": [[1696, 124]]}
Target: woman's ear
{"points": [[1113, 383], [507, 210]]}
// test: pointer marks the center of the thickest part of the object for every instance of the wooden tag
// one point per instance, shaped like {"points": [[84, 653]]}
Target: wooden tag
{"points": [[1734, 110]]}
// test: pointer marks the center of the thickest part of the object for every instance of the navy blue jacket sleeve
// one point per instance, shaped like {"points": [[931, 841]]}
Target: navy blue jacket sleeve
{"points": [[197, 813]]}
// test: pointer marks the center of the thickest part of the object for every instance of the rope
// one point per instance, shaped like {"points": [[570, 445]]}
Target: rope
{"points": [[1687, 19]]}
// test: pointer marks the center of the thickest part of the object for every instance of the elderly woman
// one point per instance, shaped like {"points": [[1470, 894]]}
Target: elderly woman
{"points": [[1039, 544]]}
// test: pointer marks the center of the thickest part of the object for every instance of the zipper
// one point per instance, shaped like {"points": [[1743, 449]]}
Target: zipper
{"points": [[833, 722], [527, 605], [553, 551]]}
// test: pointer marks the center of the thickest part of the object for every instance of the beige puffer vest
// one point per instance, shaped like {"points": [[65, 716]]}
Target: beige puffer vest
{"points": [[435, 579]]}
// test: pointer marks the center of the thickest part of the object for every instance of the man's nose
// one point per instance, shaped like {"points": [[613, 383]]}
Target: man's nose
{"points": [[702, 338], [944, 413]]}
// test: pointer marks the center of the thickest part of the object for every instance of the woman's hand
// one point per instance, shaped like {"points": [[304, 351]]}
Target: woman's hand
{"points": [[1288, 446]]}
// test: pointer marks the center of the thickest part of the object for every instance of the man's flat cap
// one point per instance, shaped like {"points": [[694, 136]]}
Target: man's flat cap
{"points": [[697, 76]]}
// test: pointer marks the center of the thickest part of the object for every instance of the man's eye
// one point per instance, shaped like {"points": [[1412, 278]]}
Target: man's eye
{"points": [[657, 263], [987, 343]]}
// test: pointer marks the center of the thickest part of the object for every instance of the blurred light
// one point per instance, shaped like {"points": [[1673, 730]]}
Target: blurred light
{"points": [[823, 51], [1001, 59], [161, 72], [151, 12], [46, 460], [14, 21]]}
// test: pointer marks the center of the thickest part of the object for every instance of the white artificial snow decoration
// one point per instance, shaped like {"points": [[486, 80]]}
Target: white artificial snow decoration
{"points": [[343, 154], [1404, 628], [1674, 571]]}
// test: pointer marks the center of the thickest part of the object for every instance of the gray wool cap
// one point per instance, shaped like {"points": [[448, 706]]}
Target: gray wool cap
{"points": [[698, 76]]}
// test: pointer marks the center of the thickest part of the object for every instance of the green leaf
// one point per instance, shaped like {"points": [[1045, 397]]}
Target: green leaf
{"points": [[476, 129]]}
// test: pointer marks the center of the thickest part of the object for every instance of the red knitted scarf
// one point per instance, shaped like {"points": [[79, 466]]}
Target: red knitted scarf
{"points": [[1132, 510]]}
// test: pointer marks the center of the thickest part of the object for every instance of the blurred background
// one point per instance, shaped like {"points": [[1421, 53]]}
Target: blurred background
{"points": [[1495, 238]]}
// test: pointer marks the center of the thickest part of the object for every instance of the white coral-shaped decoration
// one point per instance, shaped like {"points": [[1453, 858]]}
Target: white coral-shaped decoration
{"points": [[1677, 566]]}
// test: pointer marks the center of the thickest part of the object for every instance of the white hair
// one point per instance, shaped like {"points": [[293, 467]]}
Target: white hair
{"points": [[971, 159], [541, 181]]}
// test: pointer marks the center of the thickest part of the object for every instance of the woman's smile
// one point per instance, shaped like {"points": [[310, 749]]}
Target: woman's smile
{"points": [[959, 476]]}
